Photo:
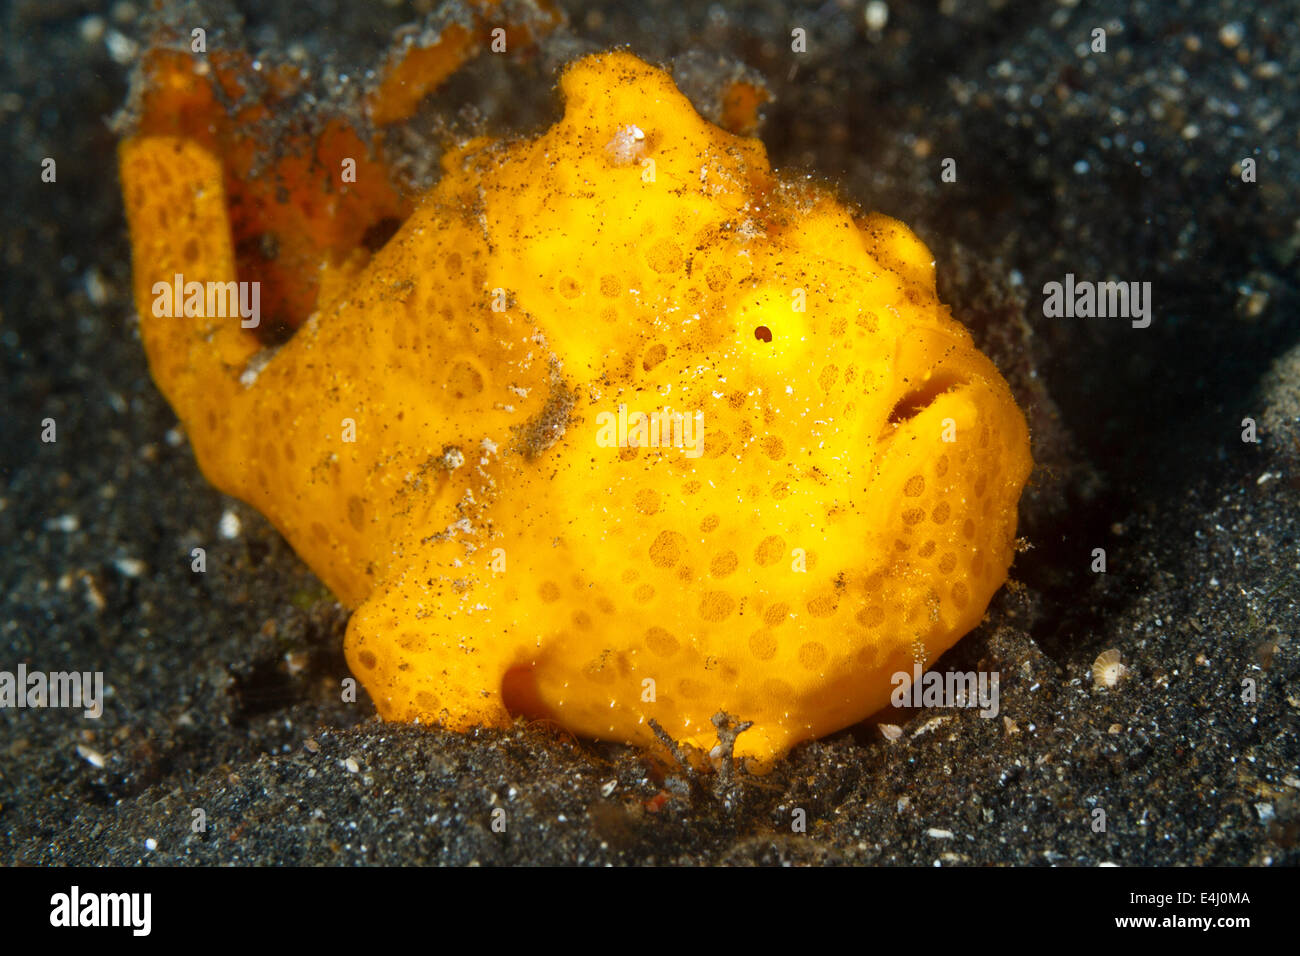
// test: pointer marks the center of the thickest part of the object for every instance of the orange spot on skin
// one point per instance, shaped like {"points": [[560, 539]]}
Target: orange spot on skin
{"points": [[741, 102]]}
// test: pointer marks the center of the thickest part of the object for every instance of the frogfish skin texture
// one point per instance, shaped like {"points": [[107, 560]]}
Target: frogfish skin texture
{"points": [[618, 426]]}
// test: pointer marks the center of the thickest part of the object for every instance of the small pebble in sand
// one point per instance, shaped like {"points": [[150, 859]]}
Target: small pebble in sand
{"points": [[1108, 670], [230, 526]]}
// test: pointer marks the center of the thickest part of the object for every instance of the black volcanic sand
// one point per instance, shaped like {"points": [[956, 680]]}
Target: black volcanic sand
{"points": [[1109, 166]]}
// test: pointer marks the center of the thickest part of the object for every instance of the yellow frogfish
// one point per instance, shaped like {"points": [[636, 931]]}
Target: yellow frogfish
{"points": [[618, 428]]}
